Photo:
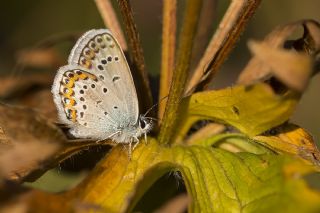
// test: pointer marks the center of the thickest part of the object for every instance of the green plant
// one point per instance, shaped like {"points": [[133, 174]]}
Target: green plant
{"points": [[260, 168]]}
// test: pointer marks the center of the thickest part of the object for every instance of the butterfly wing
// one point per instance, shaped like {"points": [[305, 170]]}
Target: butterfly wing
{"points": [[95, 93]]}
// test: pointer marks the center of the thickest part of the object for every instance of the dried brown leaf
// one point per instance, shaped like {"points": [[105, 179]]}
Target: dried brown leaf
{"points": [[26, 125], [30, 144], [20, 158], [32, 140], [30, 90], [291, 67], [42, 101]]}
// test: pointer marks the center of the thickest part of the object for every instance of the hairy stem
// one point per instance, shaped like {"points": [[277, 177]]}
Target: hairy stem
{"points": [[180, 74], [168, 51]]}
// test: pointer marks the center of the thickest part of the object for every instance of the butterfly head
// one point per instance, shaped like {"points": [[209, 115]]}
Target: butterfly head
{"points": [[145, 124]]}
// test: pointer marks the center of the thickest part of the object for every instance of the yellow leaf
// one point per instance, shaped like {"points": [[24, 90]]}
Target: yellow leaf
{"points": [[292, 139], [251, 109]]}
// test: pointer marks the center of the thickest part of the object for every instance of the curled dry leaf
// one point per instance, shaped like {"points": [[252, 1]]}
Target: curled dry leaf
{"points": [[42, 101], [19, 159], [32, 144], [30, 141], [292, 67], [30, 90], [290, 138], [24, 124]]}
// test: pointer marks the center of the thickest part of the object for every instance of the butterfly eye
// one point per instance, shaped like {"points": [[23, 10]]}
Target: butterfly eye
{"points": [[142, 124]]}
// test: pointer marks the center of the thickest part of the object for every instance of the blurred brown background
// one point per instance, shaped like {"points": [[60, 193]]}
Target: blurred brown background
{"points": [[25, 23]]}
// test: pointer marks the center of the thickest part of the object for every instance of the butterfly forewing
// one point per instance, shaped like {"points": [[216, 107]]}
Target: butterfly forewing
{"points": [[101, 95]]}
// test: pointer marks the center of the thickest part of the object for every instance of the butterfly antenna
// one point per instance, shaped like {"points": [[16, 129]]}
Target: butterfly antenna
{"points": [[154, 105], [151, 118]]}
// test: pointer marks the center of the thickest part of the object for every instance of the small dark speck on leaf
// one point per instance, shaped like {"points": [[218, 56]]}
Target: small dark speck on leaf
{"points": [[236, 110]]}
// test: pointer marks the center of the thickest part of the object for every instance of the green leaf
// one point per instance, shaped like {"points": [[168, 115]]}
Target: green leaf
{"points": [[251, 109], [217, 180], [234, 143]]}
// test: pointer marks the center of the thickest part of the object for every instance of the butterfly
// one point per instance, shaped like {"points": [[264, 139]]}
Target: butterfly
{"points": [[95, 94]]}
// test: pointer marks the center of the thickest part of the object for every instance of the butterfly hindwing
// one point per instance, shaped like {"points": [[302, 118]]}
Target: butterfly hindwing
{"points": [[95, 92]]}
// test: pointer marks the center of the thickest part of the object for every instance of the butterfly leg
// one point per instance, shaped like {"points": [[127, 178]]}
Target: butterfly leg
{"points": [[130, 150], [136, 142], [109, 136], [145, 138]]}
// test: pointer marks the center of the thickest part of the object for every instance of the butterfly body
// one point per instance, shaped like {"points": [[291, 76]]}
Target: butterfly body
{"points": [[95, 93]]}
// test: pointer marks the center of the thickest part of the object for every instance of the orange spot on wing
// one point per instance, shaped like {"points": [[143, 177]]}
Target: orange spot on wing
{"points": [[74, 115], [69, 93], [70, 84]]}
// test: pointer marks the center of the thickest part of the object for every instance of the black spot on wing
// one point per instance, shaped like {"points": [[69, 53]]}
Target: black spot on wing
{"points": [[115, 78], [100, 67]]}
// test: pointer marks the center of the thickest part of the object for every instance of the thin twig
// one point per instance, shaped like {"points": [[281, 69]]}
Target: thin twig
{"points": [[180, 75], [110, 19], [231, 26], [168, 51], [136, 53]]}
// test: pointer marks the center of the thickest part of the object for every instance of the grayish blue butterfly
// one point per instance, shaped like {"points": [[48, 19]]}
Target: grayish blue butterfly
{"points": [[95, 93]]}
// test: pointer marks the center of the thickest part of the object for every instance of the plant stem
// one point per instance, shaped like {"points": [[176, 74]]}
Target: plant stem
{"points": [[222, 42], [180, 74], [168, 51], [136, 54]]}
